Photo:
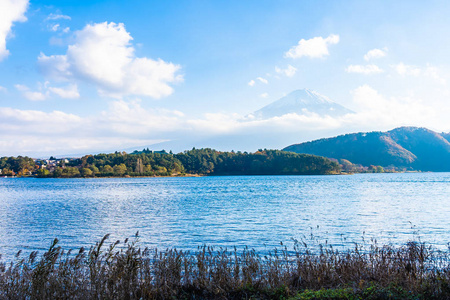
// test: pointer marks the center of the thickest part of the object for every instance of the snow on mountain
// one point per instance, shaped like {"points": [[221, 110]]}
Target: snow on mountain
{"points": [[302, 102]]}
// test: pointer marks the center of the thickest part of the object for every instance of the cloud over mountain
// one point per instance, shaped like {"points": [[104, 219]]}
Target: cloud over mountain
{"points": [[301, 115]]}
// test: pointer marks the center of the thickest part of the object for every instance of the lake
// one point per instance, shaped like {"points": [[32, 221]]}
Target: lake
{"points": [[257, 211]]}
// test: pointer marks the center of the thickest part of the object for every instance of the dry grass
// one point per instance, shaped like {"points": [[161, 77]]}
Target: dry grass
{"points": [[124, 271]]}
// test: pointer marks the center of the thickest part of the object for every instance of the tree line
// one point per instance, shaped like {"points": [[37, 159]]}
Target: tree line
{"points": [[196, 162], [20, 166], [262, 162]]}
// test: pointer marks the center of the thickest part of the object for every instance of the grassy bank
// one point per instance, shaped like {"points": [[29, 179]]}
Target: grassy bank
{"points": [[125, 271]]}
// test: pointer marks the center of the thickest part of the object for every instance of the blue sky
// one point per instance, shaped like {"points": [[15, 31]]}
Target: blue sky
{"points": [[90, 76]]}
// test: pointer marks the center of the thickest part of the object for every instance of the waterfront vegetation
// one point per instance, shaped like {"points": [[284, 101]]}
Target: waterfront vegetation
{"points": [[21, 166], [125, 271], [193, 162]]}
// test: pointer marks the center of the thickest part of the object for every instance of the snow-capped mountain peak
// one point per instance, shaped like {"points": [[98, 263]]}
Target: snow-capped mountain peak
{"points": [[302, 102]]}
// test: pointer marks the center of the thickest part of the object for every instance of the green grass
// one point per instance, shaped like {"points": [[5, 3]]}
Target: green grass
{"points": [[125, 271]]}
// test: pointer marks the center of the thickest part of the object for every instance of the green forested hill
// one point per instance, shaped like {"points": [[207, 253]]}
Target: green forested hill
{"points": [[195, 161], [409, 147], [262, 162]]}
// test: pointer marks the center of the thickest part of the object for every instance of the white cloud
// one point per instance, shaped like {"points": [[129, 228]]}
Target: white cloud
{"points": [[367, 98], [45, 91], [2, 89], [54, 27], [57, 144], [375, 53], [403, 69], [316, 47], [53, 22], [55, 66], [128, 124], [35, 96], [55, 41], [260, 79], [289, 71], [415, 71], [70, 92], [123, 124], [433, 72], [130, 118], [216, 123], [10, 11], [264, 95], [263, 80], [57, 27], [367, 69], [57, 17], [33, 117], [30, 95], [102, 55], [234, 124], [56, 132], [21, 87], [374, 108]]}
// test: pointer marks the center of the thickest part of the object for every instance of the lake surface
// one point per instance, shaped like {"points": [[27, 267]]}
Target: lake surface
{"points": [[257, 211]]}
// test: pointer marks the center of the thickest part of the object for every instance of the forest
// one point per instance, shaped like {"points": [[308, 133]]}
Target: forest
{"points": [[262, 162], [20, 166], [193, 162]]}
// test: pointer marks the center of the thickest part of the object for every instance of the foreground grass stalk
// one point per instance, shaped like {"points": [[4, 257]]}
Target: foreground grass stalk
{"points": [[125, 271]]}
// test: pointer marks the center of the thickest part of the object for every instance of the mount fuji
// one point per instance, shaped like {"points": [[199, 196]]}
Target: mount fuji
{"points": [[302, 102]]}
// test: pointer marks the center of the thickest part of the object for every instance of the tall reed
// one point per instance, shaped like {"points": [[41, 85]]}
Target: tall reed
{"points": [[125, 271]]}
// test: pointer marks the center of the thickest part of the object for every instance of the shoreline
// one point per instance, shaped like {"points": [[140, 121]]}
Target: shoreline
{"points": [[219, 175]]}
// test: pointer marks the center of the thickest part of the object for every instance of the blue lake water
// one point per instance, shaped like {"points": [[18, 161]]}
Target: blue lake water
{"points": [[257, 211]]}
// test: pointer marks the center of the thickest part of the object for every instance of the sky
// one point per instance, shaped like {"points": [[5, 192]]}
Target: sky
{"points": [[80, 77]]}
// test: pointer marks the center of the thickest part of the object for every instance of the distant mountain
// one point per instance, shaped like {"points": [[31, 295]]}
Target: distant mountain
{"points": [[410, 147], [302, 102]]}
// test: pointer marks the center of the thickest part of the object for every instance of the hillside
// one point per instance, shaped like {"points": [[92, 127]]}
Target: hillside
{"points": [[262, 162], [408, 147]]}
